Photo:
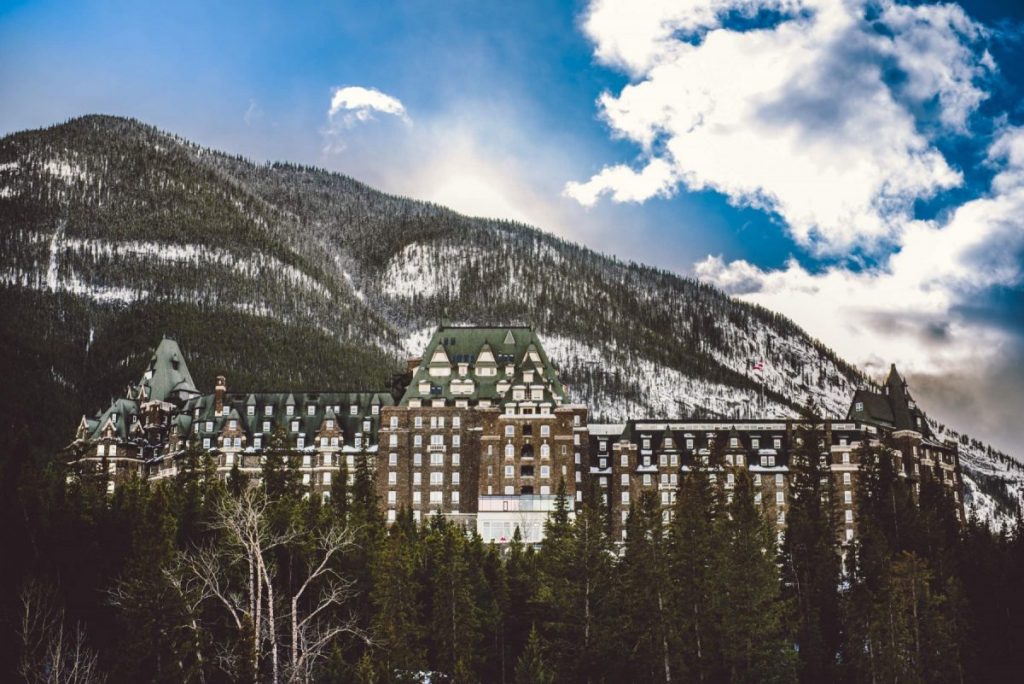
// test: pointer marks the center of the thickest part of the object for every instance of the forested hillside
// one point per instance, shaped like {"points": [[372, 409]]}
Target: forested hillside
{"points": [[113, 233]]}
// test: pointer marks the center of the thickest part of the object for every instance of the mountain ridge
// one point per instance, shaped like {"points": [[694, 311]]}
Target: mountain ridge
{"points": [[118, 232]]}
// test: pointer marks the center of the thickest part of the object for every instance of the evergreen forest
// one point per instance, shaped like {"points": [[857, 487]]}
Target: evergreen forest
{"points": [[199, 579]]}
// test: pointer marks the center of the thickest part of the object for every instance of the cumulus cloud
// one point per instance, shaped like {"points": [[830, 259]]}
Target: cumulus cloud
{"points": [[913, 304], [354, 105], [810, 108]]}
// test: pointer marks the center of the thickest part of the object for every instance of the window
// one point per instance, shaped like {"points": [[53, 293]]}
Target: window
{"points": [[625, 479], [206, 442], [209, 426], [311, 410], [306, 461], [327, 478], [739, 459], [545, 451], [436, 440], [625, 498], [330, 425], [393, 440], [418, 422], [295, 426], [250, 410], [417, 459], [455, 459], [353, 410], [229, 459], [392, 497], [436, 459], [734, 443], [755, 443], [455, 498], [545, 430], [625, 460], [392, 478], [847, 479], [435, 497], [266, 426], [456, 440], [366, 426], [689, 444], [510, 430], [305, 479], [730, 480], [510, 451], [456, 422], [757, 498], [257, 442], [417, 497], [858, 406], [647, 443], [846, 457], [848, 497], [778, 480], [779, 497], [849, 516], [674, 460], [417, 479], [777, 443], [849, 534], [545, 471], [455, 478], [647, 479], [393, 422], [673, 479], [510, 472], [289, 410], [268, 410], [375, 409], [436, 478], [757, 480]]}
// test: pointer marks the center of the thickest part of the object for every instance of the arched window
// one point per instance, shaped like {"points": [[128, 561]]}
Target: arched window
{"points": [[510, 451], [545, 451]]}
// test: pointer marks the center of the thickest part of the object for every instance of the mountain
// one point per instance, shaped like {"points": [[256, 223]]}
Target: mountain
{"points": [[113, 232]]}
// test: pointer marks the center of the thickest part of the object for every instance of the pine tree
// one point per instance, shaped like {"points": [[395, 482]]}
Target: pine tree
{"points": [[694, 555], [398, 616], [531, 667], [755, 643], [811, 560]]}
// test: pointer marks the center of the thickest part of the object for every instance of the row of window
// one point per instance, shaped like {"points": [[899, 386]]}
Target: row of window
{"points": [[436, 497], [436, 459], [436, 478], [289, 410]]}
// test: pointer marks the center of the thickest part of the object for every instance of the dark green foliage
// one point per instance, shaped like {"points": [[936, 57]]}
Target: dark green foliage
{"points": [[811, 561]]}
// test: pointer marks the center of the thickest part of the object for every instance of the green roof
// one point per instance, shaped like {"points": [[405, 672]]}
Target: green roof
{"points": [[167, 377], [452, 346]]}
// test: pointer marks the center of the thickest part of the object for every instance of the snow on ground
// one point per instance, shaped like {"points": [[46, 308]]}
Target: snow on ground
{"points": [[65, 170], [414, 271], [663, 392]]}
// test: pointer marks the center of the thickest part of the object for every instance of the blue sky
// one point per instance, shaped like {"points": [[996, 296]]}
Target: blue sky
{"points": [[853, 165]]}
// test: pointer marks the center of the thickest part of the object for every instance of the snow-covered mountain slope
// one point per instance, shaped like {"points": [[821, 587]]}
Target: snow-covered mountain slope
{"points": [[113, 233]]}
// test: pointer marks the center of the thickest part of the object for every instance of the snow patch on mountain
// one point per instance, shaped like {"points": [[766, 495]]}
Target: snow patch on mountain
{"points": [[415, 271]]}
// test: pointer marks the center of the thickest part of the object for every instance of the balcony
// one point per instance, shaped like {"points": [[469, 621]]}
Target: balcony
{"points": [[436, 448]]}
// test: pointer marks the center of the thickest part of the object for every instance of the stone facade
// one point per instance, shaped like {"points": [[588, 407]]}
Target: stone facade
{"points": [[485, 434]]}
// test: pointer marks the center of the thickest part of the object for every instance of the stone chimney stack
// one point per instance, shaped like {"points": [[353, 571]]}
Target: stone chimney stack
{"points": [[218, 394]]}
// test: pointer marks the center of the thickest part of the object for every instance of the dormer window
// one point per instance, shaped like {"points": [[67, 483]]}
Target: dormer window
{"points": [[289, 410], [734, 442], [330, 424], [858, 406], [250, 411], [518, 395], [374, 410], [268, 410], [232, 424], [311, 410], [295, 426], [225, 410], [209, 426], [353, 410]]}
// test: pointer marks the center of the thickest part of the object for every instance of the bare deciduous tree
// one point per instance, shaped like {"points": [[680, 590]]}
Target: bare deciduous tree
{"points": [[52, 652], [238, 574]]}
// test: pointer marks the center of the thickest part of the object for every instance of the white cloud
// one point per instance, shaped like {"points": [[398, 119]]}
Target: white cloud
{"points": [[353, 105], [912, 307], [798, 117]]}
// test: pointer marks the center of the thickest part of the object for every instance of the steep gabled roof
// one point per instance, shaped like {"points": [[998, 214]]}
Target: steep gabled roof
{"points": [[167, 377]]}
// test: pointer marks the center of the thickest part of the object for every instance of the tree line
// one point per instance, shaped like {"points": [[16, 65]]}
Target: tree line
{"points": [[203, 579]]}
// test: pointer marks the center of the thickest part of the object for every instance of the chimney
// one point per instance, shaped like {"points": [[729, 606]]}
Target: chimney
{"points": [[218, 394]]}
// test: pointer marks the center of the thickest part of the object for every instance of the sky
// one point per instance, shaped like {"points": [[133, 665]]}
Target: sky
{"points": [[856, 165]]}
